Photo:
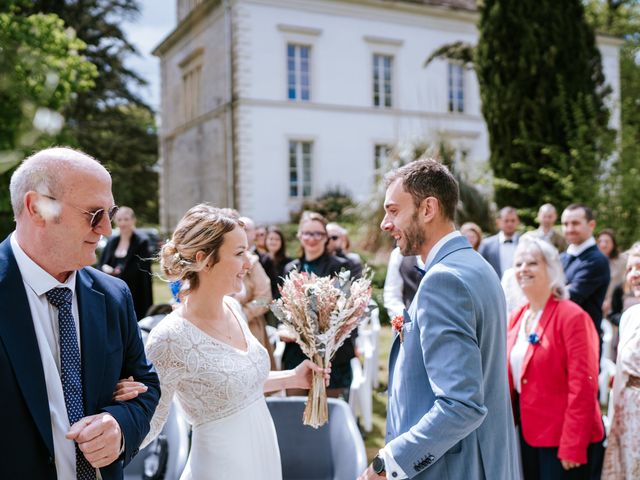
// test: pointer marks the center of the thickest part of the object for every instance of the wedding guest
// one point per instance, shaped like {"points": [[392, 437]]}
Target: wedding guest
{"points": [[277, 253], [586, 269], [68, 332], [552, 349], [498, 249], [338, 244], [208, 359], [315, 258], [622, 457], [608, 245], [473, 232], [260, 239], [128, 256], [547, 217], [255, 296]]}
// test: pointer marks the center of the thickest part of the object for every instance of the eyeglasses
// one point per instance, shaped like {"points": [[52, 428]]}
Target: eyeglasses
{"points": [[334, 237], [96, 216], [316, 235]]}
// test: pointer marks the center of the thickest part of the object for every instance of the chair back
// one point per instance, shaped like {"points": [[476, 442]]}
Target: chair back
{"points": [[334, 451]]}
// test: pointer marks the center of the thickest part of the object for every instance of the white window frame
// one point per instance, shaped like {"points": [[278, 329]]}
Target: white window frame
{"points": [[298, 72], [379, 72], [455, 87], [301, 36], [303, 184]]}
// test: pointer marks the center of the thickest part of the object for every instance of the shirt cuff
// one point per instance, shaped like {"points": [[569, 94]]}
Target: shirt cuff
{"points": [[391, 467]]}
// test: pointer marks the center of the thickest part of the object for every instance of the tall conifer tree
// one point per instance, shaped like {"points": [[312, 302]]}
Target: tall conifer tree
{"points": [[543, 92]]}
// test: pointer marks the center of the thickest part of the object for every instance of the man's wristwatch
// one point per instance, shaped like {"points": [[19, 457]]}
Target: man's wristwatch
{"points": [[378, 466]]}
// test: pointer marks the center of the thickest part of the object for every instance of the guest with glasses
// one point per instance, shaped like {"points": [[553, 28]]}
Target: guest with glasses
{"points": [[339, 245], [315, 258], [67, 332], [127, 256]]}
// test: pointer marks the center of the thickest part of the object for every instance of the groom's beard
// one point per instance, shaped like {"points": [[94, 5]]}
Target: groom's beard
{"points": [[413, 238]]}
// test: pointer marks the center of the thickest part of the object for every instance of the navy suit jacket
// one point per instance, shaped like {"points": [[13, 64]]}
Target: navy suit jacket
{"points": [[111, 349], [588, 279], [490, 250]]}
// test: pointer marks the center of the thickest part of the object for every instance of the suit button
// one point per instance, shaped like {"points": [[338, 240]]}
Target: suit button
{"points": [[524, 381]]}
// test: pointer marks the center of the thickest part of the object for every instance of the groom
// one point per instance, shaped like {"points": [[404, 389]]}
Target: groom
{"points": [[449, 412]]}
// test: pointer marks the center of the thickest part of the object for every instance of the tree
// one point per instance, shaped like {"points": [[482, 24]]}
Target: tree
{"points": [[41, 70], [620, 206], [110, 121], [542, 91]]}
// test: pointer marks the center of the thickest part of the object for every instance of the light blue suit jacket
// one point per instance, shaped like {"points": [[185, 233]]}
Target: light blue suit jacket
{"points": [[449, 411]]}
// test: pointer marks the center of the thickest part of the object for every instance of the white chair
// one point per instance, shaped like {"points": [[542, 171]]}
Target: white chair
{"points": [[360, 395], [607, 371], [607, 339]]}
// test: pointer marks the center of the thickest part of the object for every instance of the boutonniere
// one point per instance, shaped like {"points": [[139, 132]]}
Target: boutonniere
{"points": [[397, 323], [534, 338]]}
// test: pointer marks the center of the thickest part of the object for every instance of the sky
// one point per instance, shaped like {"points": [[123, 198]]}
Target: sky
{"points": [[157, 20]]}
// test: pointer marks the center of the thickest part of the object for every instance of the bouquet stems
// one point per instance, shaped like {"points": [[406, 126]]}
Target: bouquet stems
{"points": [[316, 413]]}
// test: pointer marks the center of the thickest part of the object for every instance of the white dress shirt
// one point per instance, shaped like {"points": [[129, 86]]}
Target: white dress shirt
{"points": [[507, 251], [520, 348], [391, 467], [393, 283], [575, 250], [37, 283]]}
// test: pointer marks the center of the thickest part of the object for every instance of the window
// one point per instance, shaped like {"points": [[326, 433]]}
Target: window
{"points": [[380, 155], [456, 88], [382, 65], [298, 80], [191, 88], [299, 169]]}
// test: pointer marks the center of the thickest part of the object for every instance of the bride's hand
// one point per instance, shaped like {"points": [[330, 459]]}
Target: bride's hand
{"points": [[303, 374], [128, 388]]}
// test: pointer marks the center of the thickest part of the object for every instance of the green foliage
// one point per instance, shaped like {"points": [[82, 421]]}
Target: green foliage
{"points": [[620, 205], [542, 92], [473, 206], [110, 121], [42, 69], [333, 204]]}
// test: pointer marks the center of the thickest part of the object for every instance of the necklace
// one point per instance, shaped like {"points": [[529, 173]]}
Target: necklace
{"points": [[226, 334], [529, 321]]}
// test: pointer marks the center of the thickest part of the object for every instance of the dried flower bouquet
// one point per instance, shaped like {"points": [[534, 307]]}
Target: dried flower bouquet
{"points": [[321, 312]]}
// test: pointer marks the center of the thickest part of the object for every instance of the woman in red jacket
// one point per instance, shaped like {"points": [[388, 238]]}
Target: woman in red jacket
{"points": [[552, 348]]}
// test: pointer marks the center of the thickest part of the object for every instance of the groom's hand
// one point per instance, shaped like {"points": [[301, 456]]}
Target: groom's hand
{"points": [[99, 438], [369, 474]]}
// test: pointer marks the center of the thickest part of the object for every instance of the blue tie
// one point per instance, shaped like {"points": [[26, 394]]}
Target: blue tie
{"points": [[70, 370]]}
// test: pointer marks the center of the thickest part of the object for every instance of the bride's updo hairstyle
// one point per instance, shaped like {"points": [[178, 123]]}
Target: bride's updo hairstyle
{"points": [[202, 229]]}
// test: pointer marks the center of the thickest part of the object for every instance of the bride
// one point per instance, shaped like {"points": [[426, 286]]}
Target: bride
{"points": [[207, 358]]}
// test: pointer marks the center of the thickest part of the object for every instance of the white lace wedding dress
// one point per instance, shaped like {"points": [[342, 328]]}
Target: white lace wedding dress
{"points": [[220, 389]]}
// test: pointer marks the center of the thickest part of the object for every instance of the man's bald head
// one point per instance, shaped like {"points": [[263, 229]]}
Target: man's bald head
{"points": [[49, 172]]}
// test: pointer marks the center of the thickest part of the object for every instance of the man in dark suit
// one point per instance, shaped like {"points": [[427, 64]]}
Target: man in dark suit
{"points": [[587, 269], [498, 249], [67, 332]]}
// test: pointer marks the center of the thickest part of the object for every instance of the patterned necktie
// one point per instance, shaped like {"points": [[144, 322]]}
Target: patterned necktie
{"points": [[70, 370]]}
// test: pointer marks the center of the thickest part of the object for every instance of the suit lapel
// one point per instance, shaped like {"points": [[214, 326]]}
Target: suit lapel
{"points": [[93, 335], [18, 336], [547, 313]]}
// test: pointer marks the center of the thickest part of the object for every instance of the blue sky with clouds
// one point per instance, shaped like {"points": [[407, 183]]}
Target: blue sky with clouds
{"points": [[157, 20]]}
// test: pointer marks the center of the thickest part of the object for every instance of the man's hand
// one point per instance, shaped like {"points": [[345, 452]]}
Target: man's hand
{"points": [[369, 474], [99, 438]]}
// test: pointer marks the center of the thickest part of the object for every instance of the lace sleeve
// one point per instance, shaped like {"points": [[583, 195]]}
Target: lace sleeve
{"points": [[159, 352]]}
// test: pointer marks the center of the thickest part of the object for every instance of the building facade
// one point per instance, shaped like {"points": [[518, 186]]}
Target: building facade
{"points": [[268, 102]]}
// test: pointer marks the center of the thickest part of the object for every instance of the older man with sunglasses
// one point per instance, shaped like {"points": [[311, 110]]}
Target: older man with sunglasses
{"points": [[67, 332]]}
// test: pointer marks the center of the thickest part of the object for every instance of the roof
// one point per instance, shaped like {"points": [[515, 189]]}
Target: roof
{"points": [[454, 4]]}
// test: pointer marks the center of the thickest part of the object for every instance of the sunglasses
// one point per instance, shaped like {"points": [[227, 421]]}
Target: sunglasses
{"points": [[96, 216], [316, 235]]}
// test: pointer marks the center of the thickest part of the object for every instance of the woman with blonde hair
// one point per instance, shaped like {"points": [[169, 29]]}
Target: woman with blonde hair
{"points": [[206, 357]]}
